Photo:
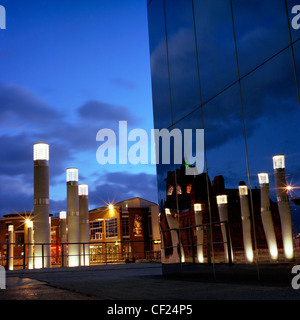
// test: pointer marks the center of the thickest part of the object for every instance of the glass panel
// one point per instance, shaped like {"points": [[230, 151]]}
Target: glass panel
{"points": [[182, 57], [159, 66], [261, 31], [272, 121], [215, 44]]}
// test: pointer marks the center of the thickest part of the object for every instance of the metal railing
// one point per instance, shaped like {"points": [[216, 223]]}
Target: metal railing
{"points": [[211, 248], [91, 253]]}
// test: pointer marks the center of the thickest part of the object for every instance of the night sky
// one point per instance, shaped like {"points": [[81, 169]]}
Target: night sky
{"points": [[67, 70], [70, 68]]}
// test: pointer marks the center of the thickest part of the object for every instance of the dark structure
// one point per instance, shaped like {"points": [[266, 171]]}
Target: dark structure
{"points": [[222, 67]]}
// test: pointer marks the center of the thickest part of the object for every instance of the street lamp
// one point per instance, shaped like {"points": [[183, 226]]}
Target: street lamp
{"points": [[222, 203], [41, 205], [84, 224], [246, 223], [266, 215], [73, 217], [283, 206], [199, 231]]}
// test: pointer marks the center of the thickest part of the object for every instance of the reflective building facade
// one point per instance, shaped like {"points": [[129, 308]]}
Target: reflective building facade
{"points": [[232, 69]]}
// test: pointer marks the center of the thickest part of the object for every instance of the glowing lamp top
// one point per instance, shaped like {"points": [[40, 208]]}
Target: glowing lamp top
{"points": [[243, 190], [72, 174], [278, 162], [29, 223], [222, 199], [10, 227], [41, 151], [83, 190], [263, 178], [63, 215], [197, 207], [167, 211]]}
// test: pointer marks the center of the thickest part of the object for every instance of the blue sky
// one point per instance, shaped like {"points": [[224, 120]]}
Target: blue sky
{"points": [[67, 70]]}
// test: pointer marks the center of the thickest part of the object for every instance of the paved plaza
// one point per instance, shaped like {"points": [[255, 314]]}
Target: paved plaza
{"points": [[135, 281]]}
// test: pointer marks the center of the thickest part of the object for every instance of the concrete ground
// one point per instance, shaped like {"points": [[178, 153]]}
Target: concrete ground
{"points": [[135, 281]]}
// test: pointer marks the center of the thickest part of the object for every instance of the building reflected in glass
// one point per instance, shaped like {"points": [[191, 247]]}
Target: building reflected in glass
{"points": [[230, 68]]}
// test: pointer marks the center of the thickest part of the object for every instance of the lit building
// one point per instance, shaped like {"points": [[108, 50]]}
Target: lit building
{"points": [[221, 67], [126, 230]]}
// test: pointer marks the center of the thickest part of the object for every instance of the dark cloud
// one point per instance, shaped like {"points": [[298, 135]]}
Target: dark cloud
{"points": [[118, 186], [100, 112], [21, 109]]}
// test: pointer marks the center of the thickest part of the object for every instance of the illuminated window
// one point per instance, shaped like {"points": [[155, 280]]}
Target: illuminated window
{"points": [[125, 227], [170, 191], [96, 230], [111, 228], [188, 188], [179, 191]]}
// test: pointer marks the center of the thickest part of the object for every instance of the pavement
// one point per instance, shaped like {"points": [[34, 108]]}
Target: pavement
{"points": [[135, 281]]}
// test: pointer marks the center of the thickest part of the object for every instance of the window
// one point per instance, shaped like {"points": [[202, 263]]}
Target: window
{"points": [[111, 228], [125, 227], [96, 230]]}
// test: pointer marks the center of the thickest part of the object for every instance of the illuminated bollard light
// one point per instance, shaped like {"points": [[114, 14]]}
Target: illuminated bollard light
{"points": [[199, 231], [283, 206], [223, 216], [174, 224], [73, 217], [84, 225], [30, 243], [41, 206], [10, 248], [63, 237], [266, 215], [246, 223]]}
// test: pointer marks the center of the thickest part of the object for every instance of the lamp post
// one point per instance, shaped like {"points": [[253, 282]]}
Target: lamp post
{"points": [[30, 243], [41, 206], [84, 224], [63, 237], [73, 217], [174, 225], [246, 223], [199, 231], [223, 215], [10, 248], [266, 215], [283, 206]]}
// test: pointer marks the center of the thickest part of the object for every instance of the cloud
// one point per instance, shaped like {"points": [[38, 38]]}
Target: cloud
{"points": [[118, 186], [123, 83], [101, 112], [20, 108]]}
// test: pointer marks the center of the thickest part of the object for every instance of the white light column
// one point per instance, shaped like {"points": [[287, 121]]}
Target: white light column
{"points": [[223, 215], [84, 225], [283, 206], [30, 244], [41, 206], [174, 224], [199, 231], [266, 215], [10, 249], [63, 237], [246, 223], [73, 217]]}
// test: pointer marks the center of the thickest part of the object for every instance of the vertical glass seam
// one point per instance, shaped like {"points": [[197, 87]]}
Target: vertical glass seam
{"points": [[245, 138], [205, 157]]}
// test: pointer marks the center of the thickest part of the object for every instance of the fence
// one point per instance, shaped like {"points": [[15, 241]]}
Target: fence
{"points": [[216, 246], [92, 253]]}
